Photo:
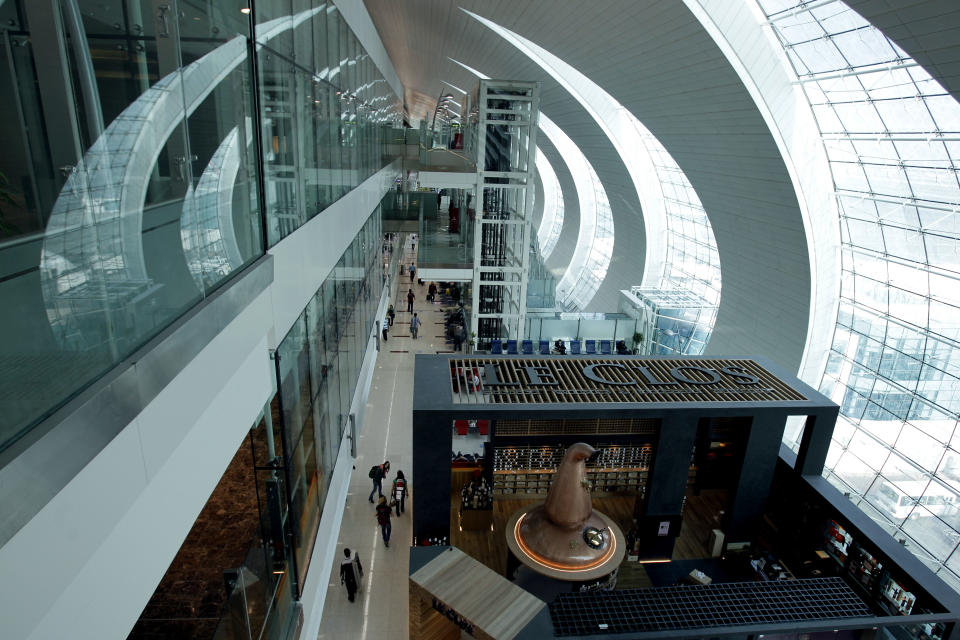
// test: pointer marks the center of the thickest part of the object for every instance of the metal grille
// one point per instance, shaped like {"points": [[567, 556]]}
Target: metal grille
{"points": [[599, 426], [698, 607], [624, 380]]}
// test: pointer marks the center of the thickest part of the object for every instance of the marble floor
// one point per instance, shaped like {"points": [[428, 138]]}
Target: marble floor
{"points": [[380, 609]]}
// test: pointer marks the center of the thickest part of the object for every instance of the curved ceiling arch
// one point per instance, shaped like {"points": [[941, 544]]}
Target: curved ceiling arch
{"points": [[551, 219], [658, 61], [681, 248]]}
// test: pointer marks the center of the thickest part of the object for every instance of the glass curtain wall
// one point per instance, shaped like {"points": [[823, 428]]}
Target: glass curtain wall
{"points": [[322, 102], [131, 183], [892, 135], [318, 367]]}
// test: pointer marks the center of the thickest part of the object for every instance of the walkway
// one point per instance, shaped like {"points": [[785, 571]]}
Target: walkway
{"points": [[380, 610]]}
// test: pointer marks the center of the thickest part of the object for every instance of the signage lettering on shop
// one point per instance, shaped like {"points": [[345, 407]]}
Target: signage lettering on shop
{"points": [[453, 616], [617, 380], [605, 373]]}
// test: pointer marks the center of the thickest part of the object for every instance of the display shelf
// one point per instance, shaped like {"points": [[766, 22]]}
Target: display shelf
{"points": [[837, 542], [896, 598], [537, 481], [864, 568], [609, 456]]}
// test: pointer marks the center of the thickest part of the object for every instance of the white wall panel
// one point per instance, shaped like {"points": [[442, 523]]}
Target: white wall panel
{"points": [[117, 580], [92, 557]]}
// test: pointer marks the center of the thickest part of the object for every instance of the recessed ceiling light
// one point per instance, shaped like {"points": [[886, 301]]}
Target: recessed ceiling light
{"points": [[245, 10]]}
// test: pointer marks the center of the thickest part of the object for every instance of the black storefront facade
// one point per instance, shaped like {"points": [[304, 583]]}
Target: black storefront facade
{"points": [[672, 402]]}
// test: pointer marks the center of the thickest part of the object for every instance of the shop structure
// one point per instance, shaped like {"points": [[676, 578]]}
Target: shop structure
{"points": [[490, 432], [654, 420]]}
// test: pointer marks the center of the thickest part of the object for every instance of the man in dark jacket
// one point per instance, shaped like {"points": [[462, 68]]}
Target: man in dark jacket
{"points": [[350, 573]]}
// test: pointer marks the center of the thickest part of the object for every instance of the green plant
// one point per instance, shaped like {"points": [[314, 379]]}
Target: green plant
{"points": [[637, 341]]}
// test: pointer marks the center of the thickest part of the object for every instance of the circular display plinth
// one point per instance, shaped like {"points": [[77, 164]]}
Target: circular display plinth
{"points": [[561, 553]]}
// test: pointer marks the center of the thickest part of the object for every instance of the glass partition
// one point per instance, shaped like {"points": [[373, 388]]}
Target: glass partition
{"points": [[581, 326], [131, 183], [318, 368]]}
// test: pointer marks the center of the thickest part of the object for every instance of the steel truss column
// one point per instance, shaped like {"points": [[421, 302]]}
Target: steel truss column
{"points": [[506, 165]]}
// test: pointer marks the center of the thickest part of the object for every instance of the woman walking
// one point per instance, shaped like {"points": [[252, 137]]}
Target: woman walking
{"points": [[383, 519]]}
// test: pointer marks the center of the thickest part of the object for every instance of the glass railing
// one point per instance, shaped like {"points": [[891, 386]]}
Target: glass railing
{"points": [[445, 235], [541, 283], [131, 182], [260, 603], [581, 326], [448, 147]]}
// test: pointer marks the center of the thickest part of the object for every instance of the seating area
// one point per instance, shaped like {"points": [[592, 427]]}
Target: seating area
{"points": [[546, 347]]}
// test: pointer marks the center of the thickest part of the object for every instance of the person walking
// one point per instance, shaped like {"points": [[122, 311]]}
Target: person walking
{"points": [[350, 573], [458, 335], [399, 492], [391, 314], [383, 519], [413, 272], [414, 326], [432, 292], [410, 299], [377, 473], [386, 327]]}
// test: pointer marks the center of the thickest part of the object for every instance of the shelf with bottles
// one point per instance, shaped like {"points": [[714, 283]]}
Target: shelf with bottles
{"points": [[837, 542], [548, 457], [896, 598], [537, 481], [474, 496], [863, 567]]}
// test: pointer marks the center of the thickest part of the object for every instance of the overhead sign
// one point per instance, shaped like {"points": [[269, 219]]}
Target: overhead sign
{"points": [[633, 380]]}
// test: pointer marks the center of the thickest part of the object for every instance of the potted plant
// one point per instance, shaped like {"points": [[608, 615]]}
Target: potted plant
{"points": [[637, 342]]}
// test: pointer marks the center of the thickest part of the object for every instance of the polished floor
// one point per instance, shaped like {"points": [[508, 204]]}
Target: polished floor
{"points": [[380, 610]]}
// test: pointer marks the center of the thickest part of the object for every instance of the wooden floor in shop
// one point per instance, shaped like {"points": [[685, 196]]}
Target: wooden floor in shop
{"points": [[700, 515]]}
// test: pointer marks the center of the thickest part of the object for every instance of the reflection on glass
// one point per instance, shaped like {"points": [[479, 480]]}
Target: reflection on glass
{"points": [[132, 170], [319, 370]]}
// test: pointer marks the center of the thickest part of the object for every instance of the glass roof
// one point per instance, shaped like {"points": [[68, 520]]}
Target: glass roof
{"points": [[892, 135]]}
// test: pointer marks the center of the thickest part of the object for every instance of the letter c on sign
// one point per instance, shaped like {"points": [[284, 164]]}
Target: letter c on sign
{"points": [[588, 373]]}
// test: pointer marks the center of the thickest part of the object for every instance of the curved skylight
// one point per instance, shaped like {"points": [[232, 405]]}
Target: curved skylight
{"points": [[892, 134], [591, 257], [551, 222], [671, 209]]}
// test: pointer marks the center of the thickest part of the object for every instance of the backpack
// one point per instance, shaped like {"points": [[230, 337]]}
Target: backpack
{"points": [[374, 472]]}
